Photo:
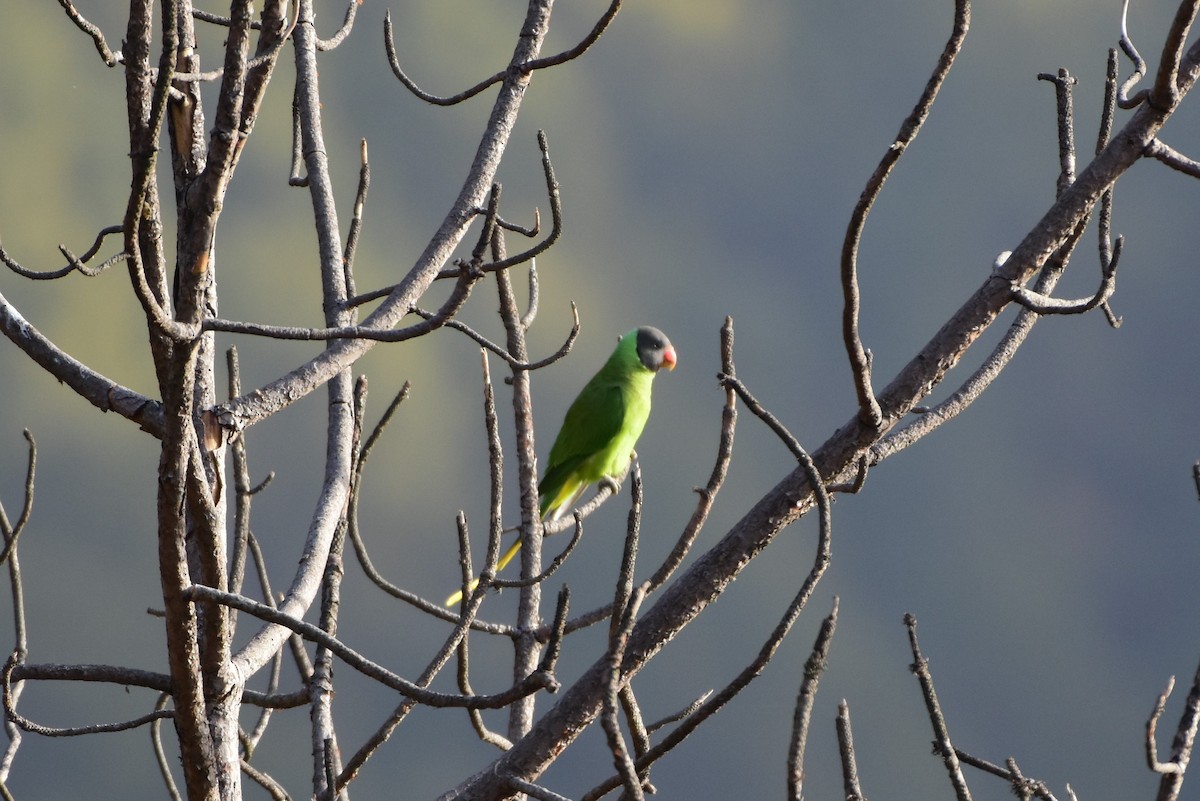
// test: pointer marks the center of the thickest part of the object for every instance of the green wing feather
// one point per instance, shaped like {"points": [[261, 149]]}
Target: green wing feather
{"points": [[599, 431]]}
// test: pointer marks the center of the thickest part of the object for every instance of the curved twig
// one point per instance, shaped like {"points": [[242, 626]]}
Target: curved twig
{"points": [[12, 531], [1139, 66], [500, 351], [73, 263], [1160, 706], [1165, 93], [93, 387], [1168, 155], [1044, 304], [111, 57], [347, 25], [860, 362], [524, 68], [547, 571], [554, 195], [11, 713], [160, 755]]}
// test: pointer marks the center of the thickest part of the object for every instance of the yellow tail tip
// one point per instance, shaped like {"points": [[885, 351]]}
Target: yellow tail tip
{"points": [[455, 599]]}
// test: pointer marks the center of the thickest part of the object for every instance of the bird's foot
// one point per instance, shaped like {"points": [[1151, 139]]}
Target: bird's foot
{"points": [[612, 484]]}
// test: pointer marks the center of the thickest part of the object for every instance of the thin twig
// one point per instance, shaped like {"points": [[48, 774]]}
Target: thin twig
{"points": [[1139, 65], [860, 363], [533, 790], [111, 58], [265, 781], [534, 682], [675, 717], [25, 723], [1063, 82], [508, 358], [74, 263], [624, 616], [525, 644], [852, 788], [1165, 93], [1044, 304], [944, 748], [1104, 219], [1151, 729], [12, 531], [814, 666], [160, 755], [556, 218], [347, 25], [523, 68], [1168, 155], [1171, 783], [356, 220]]}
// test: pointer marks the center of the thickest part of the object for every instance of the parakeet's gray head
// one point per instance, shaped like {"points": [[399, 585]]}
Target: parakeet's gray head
{"points": [[654, 349]]}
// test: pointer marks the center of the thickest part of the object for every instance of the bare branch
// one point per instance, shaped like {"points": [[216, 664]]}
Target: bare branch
{"points": [[675, 717], [510, 360], [556, 218], [1171, 782], [1006, 349], [1063, 83], [944, 747], [860, 362], [853, 790], [73, 263], [550, 569], [12, 531], [624, 616], [1103, 134], [1173, 158], [814, 666], [1139, 66], [264, 780], [525, 68], [533, 790], [534, 682], [160, 756], [347, 25], [1151, 729], [1165, 94], [356, 221], [100, 391], [111, 58], [1043, 304], [237, 414], [11, 714], [820, 563]]}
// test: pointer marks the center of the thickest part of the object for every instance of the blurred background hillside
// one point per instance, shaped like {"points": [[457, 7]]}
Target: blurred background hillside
{"points": [[709, 154]]}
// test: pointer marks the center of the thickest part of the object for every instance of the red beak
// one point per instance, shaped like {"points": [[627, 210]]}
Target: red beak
{"points": [[668, 360]]}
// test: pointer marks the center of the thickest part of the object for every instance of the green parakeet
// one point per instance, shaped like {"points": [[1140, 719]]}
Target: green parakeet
{"points": [[601, 427]]}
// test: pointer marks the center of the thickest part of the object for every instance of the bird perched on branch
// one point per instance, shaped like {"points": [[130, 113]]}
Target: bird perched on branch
{"points": [[602, 425]]}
